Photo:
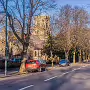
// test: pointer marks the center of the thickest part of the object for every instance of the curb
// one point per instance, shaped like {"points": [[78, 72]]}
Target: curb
{"points": [[13, 74]]}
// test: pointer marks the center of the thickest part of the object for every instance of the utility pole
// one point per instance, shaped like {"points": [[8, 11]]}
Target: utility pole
{"points": [[6, 42]]}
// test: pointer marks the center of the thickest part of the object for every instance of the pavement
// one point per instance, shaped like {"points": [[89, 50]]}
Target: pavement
{"points": [[74, 77]]}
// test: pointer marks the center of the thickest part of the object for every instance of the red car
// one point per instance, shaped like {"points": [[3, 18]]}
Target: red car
{"points": [[32, 65]]}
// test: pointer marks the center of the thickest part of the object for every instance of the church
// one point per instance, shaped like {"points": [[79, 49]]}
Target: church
{"points": [[40, 34]]}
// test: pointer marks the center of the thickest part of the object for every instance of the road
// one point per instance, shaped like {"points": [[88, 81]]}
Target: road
{"points": [[74, 78]]}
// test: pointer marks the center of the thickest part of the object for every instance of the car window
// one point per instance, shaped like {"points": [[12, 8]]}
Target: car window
{"points": [[31, 62], [42, 61], [63, 61]]}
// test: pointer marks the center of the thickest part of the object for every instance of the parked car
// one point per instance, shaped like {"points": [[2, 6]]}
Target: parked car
{"points": [[64, 62], [16, 62], [2, 63], [32, 65]]}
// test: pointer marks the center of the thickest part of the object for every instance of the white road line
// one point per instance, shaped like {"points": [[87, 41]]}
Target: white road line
{"points": [[26, 87], [50, 78], [75, 69], [84, 66], [63, 74]]}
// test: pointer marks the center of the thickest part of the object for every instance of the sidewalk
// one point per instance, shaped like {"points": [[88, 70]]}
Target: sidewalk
{"points": [[12, 75], [9, 73]]}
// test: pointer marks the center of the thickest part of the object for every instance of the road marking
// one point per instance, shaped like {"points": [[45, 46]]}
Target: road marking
{"points": [[84, 66], [75, 69], [26, 87], [63, 74], [50, 78]]}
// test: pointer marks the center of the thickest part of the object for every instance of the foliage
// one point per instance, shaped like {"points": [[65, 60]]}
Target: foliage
{"points": [[49, 44]]}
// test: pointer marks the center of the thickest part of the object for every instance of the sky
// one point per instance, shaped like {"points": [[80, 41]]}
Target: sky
{"points": [[81, 3]]}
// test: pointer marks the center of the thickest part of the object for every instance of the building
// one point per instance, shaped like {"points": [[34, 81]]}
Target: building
{"points": [[2, 42], [42, 27], [40, 34]]}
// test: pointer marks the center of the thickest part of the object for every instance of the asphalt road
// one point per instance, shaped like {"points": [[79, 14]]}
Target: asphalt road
{"points": [[76, 78]]}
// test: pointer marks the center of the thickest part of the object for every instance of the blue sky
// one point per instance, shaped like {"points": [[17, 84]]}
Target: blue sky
{"points": [[81, 3]]}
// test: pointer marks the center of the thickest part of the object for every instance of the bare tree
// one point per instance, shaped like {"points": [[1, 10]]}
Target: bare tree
{"points": [[72, 23], [20, 16], [63, 23], [80, 23]]}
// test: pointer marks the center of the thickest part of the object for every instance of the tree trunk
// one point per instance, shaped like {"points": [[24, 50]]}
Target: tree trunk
{"points": [[74, 61], [66, 55], [22, 67], [80, 56]]}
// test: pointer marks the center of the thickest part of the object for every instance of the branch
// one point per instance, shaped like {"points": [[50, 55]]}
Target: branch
{"points": [[13, 29]]}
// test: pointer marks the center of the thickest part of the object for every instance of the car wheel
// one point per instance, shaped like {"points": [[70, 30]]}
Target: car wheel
{"points": [[68, 65], [45, 69], [60, 65]]}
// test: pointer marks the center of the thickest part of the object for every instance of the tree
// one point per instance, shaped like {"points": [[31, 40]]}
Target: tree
{"points": [[63, 23], [20, 17], [71, 22], [79, 25], [48, 45]]}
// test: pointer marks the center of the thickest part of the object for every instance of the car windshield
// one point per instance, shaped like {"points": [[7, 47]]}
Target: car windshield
{"points": [[64, 61]]}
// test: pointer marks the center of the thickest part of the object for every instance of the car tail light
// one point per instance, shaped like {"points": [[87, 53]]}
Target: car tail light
{"points": [[38, 64]]}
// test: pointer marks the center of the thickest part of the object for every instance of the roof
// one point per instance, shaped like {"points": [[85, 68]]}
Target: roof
{"points": [[38, 44]]}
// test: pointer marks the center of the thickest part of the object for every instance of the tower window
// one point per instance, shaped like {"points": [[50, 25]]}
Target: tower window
{"points": [[46, 24], [35, 53]]}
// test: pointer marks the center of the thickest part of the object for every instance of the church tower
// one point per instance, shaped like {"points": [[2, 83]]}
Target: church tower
{"points": [[42, 27]]}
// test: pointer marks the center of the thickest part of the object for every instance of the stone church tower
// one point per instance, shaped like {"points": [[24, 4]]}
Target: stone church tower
{"points": [[40, 34], [42, 27]]}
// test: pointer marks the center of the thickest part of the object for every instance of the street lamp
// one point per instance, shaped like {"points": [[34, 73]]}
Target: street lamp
{"points": [[6, 42]]}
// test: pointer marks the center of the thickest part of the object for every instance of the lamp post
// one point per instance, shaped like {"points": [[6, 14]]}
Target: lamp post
{"points": [[6, 42]]}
